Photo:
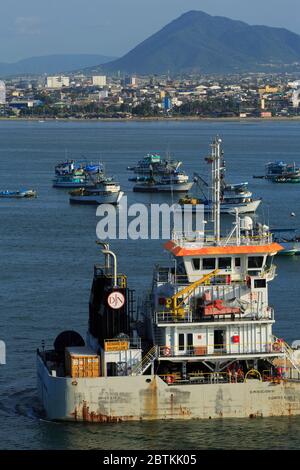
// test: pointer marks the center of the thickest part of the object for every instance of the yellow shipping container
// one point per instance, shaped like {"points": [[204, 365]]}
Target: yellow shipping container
{"points": [[82, 362]]}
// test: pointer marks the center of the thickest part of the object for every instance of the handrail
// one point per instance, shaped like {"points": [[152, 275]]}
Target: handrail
{"points": [[218, 349], [141, 366]]}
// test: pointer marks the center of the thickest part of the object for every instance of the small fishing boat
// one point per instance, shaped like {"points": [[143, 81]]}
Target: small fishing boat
{"points": [[28, 193], [71, 181], [106, 191], [176, 182], [154, 164], [281, 172], [71, 174], [243, 204], [233, 198], [288, 239]]}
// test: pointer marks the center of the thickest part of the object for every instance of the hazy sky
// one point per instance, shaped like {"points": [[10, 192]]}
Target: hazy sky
{"points": [[112, 27]]}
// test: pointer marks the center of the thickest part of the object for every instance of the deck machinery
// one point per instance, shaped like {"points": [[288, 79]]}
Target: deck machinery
{"points": [[206, 347]]}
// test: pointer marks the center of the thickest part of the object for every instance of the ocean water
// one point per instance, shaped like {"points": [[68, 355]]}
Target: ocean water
{"points": [[47, 253]]}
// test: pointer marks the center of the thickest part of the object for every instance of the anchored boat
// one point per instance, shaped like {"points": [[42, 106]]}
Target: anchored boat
{"points": [[281, 172], [177, 182], [205, 349], [105, 191], [288, 239], [71, 174], [154, 164], [233, 197], [27, 193]]}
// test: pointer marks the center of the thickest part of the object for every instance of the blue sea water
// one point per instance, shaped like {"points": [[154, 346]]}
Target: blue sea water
{"points": [[47, 253]]}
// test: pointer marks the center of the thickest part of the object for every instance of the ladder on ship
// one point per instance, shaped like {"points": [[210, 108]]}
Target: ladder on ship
{"points": [[147, 360], [288, 352]]}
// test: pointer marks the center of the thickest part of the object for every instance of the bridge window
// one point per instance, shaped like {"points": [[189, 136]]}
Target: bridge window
{"points": [[255, 262], [224, 263], [196, 264], [209, 263], [259, 283]]}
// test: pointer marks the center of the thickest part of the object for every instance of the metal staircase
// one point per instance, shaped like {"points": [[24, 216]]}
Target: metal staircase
{"points": [[147, 360], [288, 352]]}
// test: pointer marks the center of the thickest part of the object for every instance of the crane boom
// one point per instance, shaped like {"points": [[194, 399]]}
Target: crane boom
{"points": [[171, 302]]}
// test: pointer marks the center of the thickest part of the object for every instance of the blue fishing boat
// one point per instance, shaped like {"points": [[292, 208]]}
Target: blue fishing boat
{"points": [[28, 193]]}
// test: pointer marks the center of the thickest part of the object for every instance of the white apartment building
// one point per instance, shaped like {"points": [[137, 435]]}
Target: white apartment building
{"points": [[99, 80], [2, 92], [58, 82]]}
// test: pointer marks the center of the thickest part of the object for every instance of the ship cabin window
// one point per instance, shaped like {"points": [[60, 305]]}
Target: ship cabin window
{"points": [[255, 262], [260, 283], [185, 342], [269, 261], [190, 341], [208, 264], [224, 263], [237, 262], [196, 264], [181, 342]]}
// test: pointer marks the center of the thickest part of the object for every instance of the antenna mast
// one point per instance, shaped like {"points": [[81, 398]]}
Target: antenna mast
{"points": [[216, 186]]}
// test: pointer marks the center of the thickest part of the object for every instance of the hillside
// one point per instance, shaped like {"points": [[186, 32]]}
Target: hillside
{"points": [[52, 64], [198, 42]]}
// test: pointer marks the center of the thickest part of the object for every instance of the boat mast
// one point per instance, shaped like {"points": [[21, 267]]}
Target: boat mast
{"points": [[216, 186]]}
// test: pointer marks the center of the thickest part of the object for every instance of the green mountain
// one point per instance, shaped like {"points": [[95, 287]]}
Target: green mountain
{"points": [[198, 42]]}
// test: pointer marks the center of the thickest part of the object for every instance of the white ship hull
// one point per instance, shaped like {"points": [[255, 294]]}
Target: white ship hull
{"points": [[101, 198], [135, 398], [243, 208]]}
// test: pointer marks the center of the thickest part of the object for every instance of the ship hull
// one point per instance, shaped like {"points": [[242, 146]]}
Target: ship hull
{"points": [[71, 184], [245, 208], [163, 188], [105, 198], [136, 398]]}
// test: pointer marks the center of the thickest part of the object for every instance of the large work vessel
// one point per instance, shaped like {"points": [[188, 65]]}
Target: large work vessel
{"points": [[205, 348]]}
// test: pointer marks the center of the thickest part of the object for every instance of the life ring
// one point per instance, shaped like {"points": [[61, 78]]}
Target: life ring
{"points": [[167, 351], [277, 346], [170, 379]]}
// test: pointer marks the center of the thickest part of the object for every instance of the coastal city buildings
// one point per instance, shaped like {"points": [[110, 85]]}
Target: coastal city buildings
{"points": [[2, 93], [58, 82], [98, 96], [99, 80]]}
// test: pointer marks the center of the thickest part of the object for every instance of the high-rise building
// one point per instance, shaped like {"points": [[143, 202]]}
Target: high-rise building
{"points": [[99, 80], [58, 82], [2, 92]]}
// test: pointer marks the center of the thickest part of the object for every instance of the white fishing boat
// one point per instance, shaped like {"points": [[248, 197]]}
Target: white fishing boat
{"points": [[106, 191], [288, 239], [176, 182], [233, 197], [155, 164]]}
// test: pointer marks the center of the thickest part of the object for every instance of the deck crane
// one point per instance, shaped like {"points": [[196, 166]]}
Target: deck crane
{"points": [[175, 303]]}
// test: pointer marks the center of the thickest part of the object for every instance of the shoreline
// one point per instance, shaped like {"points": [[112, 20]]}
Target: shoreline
{"points": [[153, 119]]}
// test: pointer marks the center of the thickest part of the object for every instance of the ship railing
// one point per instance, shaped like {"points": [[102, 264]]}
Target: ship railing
{"points": [[199, 378], [168, 276], [233, 376], [280, 345], [184, 238], [100, 270], [121, 344], [165, 316], [215, 350]]}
